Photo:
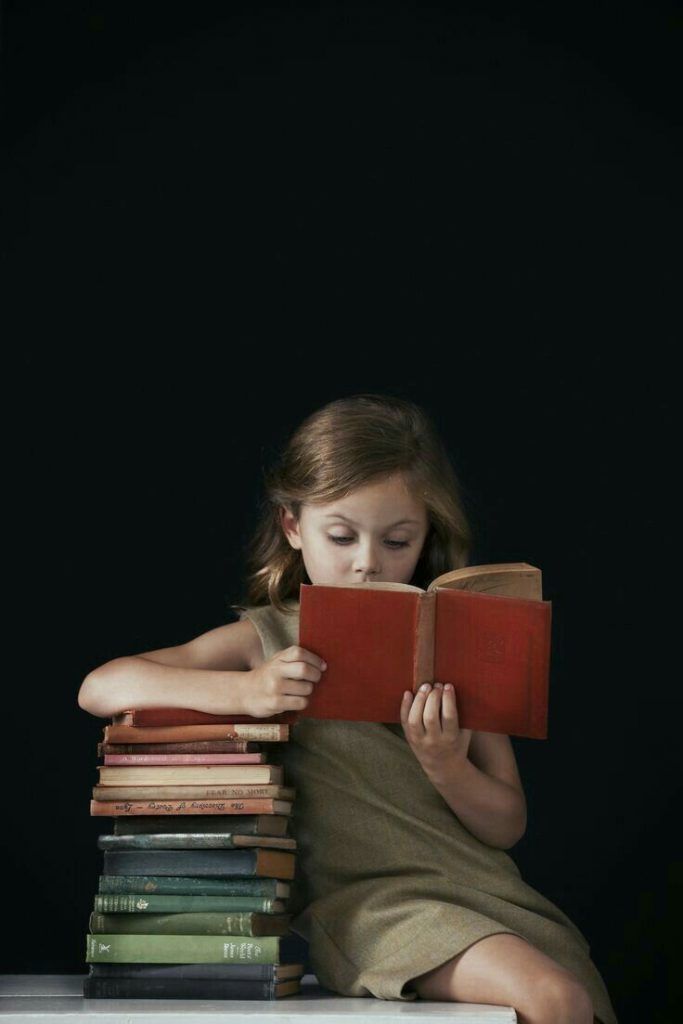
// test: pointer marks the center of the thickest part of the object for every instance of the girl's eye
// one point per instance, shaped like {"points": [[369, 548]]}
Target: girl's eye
{"points": [[390, 543]]}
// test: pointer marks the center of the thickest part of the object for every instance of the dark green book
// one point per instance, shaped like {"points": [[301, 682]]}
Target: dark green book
{"points": [[206, 923], [186, 949], [135, 903], [215, 863], [169, 885], [242, 824]]}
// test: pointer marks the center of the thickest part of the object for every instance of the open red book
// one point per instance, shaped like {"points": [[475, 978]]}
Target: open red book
{"points": [[484, 628]]}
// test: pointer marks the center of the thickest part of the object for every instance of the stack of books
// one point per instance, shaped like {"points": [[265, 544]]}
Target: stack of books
{"points": [[192, 901]]}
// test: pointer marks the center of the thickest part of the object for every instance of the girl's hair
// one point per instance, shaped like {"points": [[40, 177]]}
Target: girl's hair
{"points": [[347, 444]]}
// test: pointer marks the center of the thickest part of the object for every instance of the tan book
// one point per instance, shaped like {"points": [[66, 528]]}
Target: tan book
{"points": [[253, 791], [200, 774]]}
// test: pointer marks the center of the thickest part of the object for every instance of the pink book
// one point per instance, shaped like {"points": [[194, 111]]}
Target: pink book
{"points": [[154, 759]]}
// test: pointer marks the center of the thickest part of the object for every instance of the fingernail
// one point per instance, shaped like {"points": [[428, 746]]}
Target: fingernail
{"points": [[425, 687], [448, 686], [438, 686], [324, 665]]}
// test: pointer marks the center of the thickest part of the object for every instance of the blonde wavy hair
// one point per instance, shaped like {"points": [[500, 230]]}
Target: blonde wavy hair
{"points": [[342, 446]]}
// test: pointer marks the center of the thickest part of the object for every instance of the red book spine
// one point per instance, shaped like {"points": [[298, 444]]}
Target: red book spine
{"points": [[196, 747], [273, 733], [188, 716]]}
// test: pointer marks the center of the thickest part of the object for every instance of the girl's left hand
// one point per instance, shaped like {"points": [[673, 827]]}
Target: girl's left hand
{"points": [[430, 724]]}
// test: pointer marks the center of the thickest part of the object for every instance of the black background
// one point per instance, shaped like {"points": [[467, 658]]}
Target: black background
{"points": [[220, 217]]}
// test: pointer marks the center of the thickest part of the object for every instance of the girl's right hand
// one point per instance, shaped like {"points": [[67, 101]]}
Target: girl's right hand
{"points": [[283, 683]]}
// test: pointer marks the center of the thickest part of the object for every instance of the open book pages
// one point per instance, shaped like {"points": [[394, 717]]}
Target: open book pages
{"points": [[503, 579]]}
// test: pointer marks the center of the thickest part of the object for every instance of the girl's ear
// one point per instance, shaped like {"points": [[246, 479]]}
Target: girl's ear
{"points": [[290, 527]]}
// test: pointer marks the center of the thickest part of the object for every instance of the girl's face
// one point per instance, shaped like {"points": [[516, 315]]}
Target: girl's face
{"points": [[374, 534]]}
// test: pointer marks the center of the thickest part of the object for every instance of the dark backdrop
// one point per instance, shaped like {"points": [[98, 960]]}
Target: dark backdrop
{"points": [[218, 219]]}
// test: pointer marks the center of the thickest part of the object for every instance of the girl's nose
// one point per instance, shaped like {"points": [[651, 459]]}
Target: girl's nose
{"points": [[367, 560]]}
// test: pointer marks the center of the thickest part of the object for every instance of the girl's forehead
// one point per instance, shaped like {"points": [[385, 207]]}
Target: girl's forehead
{"points": [[387, 498]]}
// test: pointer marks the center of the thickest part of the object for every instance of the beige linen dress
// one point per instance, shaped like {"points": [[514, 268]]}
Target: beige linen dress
{"points": [[389, 883]]}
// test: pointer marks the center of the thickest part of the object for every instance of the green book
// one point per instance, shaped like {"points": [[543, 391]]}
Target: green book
{"points": [[186, 949], [135, 903], [174, 885], [206, 923]]}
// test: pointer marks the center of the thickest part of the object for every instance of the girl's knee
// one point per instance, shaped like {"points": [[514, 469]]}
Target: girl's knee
{"points": [[562, 999]]}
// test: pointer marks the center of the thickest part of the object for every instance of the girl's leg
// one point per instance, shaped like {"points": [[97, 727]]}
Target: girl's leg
{"points": [[508, 971]]}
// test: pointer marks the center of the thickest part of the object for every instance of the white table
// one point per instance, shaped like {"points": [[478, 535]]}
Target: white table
{"points": [[58, 998]]}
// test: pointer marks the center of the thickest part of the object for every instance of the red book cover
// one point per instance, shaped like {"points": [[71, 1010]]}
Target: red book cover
{"points": [[368, 639], [377, 643], [496, 653], [254, 730]]}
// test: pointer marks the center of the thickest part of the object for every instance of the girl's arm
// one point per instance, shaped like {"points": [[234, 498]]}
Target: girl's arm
{"points": [[222, 672], [488, 796]]}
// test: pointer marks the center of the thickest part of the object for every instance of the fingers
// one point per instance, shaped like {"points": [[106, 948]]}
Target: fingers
{"points": [[412, 707], [294, 703], [298, 663], [432, 708], [293, 654], [296, 688], [417, 710], [295, 673], [431, 715], [449, 712]]}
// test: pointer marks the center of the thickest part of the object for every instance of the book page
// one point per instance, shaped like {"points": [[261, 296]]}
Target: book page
{"points": [[503, 579], [371, 585]]}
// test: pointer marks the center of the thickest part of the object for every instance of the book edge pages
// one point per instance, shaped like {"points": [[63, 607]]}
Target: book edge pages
{"points": [[370, 585]]}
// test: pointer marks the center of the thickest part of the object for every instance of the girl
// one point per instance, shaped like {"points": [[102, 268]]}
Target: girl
{"points": [[403, 887]]}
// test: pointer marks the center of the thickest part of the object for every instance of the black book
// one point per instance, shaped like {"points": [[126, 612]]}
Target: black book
{"points": [[228, 972], [187, 988], [256, 862], [244, 824]]}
